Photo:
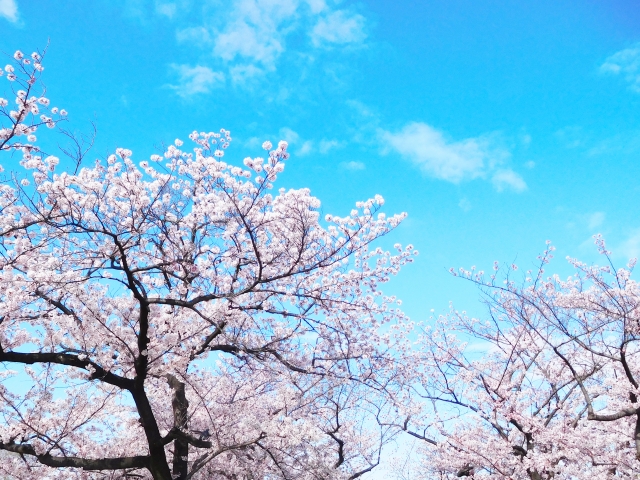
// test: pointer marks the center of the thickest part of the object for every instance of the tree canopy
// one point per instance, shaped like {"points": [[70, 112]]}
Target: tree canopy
{"points": [[178, 319]]}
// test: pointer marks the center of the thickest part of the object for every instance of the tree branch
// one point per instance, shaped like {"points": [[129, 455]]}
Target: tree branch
{"points": [[67, 359], [116, 463]]}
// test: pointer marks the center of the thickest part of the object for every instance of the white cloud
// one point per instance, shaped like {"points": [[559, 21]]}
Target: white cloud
{"points": [[626, 63], [9, 10], [453, 161], [290, 136], [285, 133], [587, 222], [244, 73], [316, 6], [353, 166], [199, 36], [362, 110], [464, 204], [254, 34], [306, 148], [326, 145], [339, 27], [194, 80], [595, 220], [300, 146], [167, 9], [252, 30], [244, 40], [505, 178]]}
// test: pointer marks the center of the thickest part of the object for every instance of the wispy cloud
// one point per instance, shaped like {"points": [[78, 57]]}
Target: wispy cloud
{"points": [[428, 148], [9, 10], [339, 27], [297, 145], [195, 80], [249, 37], [353, 166], [623, 143], [300, 146], [292, 137], [168, 9], [198, 36], [587, 222], [595, 220], [327, 145], [453, 161], [255, 32], [507, 179], [627, 64], [630, 247], [464, 204], [571, 136], [242, 74], [304, 147]]}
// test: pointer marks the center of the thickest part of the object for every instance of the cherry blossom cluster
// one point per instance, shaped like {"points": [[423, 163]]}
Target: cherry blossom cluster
{"points": [[19, 124], [545, 388], [175, 316]]}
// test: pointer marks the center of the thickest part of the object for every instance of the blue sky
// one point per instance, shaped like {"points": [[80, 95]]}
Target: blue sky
{"points": [[496, 125]]}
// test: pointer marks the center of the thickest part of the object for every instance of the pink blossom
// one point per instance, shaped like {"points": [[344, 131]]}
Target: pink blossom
{"points": [[191, 313]]}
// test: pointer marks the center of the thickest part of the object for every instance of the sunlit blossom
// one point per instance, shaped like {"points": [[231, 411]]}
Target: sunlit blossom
{"points": [[190, 304]]}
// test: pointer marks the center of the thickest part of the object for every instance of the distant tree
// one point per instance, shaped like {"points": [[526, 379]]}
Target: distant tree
{"points": [[174, 319], [546, 388]]}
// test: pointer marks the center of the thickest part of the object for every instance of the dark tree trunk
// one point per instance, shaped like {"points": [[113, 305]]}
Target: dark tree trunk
{"points": [[180, 406], [158, 465]]}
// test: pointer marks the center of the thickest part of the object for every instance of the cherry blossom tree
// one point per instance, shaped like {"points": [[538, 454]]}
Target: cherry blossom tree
{"points": [[546, 388], [175, 318]]}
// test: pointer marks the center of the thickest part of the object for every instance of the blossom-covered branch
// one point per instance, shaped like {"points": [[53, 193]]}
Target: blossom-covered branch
{"points": [[177, 316]]}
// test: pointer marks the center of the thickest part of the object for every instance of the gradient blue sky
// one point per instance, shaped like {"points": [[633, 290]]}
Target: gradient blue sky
{"points": [[495, 124]]}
